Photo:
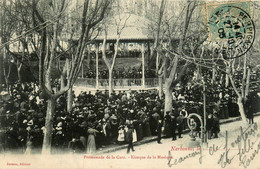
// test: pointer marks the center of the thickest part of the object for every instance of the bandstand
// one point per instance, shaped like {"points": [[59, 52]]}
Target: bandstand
{"points": [[134, 35]]}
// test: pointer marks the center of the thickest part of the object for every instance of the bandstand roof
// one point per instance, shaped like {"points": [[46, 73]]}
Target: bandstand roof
{"points": [[135, 29]]}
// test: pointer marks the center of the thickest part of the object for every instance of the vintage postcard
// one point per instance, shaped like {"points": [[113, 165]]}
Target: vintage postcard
{"points": [[125, 84]]}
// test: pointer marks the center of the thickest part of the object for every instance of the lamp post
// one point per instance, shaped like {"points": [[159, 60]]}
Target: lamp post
{"points": [[192, 124], [203, 120], [204, 112]]}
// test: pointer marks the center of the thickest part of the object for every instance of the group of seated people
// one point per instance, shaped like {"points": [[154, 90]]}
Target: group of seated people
{"points": [[121, 73]]}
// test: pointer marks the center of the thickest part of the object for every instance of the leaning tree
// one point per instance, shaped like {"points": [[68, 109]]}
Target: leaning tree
{"points": [[172, 50], [50, 20]]}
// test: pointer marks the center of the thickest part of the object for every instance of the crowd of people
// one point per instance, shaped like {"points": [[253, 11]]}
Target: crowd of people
{"points": [[97, 120]]}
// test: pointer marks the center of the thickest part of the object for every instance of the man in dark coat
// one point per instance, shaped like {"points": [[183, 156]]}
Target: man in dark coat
{"points": [[174, 126], [154, 121], [129, 138], [180, 125], [76, 146], [168, 127], [248, 110], [159, 131], [210, 122], [215, 125]]}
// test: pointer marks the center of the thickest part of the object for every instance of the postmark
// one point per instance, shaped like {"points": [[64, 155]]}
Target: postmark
{"points": [[231, 29]]}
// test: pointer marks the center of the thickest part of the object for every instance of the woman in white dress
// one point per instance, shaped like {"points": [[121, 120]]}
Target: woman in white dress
{"points": [[91, 144], [121, 135]]}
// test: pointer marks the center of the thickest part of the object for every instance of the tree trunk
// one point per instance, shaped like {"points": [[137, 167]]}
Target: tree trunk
{"points": [[244, 77], [247, 82], [168, 99], [160, 74], [239, 101], [19, 75], [6, 74], [110, 79], [239, 63], [69, 100], [82, 70], [143, 67], [46, 147], [97, 48], [18, 64], [227, 78], [19, 67], [88, 58], [198, 72], [213, 74], [42, 55], [233, 65], [157, 60], [160, 85], [241, 109], [7, 84], [62, 82]]}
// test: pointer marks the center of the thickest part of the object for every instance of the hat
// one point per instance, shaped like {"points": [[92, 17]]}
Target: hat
{"points": [[59, 132], [84, 124], [30, 123], [130, 126], [58, 118], [31, 111], [59, 124], [106, 116], [91, 125], [58, 128], [43, 128], [127, 122], [113, 117], [3, 93]]}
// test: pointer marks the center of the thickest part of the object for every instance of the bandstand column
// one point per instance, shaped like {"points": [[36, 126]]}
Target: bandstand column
{"points": [[97, 48], [143, 62]]}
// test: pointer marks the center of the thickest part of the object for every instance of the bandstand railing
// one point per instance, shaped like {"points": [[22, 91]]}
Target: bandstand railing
{"points": [[117, 83]]}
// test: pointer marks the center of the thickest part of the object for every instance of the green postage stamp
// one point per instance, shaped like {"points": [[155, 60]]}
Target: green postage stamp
{"points": [[231, 27]]}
